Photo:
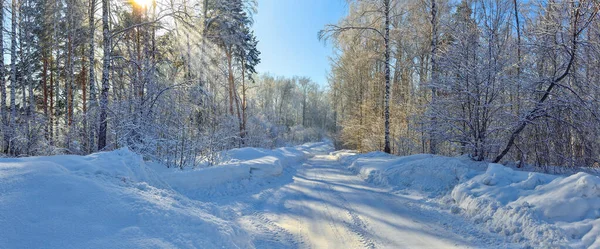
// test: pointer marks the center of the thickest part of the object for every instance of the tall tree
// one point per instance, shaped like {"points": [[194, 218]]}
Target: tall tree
{"points": [[13, 73], [106, 45], [386, 39], [434, 69], [92, 72], [3, 108]]}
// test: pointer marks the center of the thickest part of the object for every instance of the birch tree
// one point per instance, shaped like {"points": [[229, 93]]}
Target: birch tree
{"points": [[381, 8]]}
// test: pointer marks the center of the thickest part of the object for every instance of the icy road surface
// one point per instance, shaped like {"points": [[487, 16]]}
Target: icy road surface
{"points": [[323, 205]]}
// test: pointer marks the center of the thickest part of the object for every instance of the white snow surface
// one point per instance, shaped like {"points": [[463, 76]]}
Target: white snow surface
{"points": [[295, 197], [105, 200], [528, 208], [545, 210], [117, 200]]}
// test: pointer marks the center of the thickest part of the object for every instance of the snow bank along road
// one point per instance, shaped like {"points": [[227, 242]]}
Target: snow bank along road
{"points": [[326, 206], [294, 197]]}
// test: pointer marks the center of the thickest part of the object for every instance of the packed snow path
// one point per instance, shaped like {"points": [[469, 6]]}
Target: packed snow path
{"points": [[259, 198], [326, 206]]}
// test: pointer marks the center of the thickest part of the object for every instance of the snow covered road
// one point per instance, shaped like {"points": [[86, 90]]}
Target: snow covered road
{"points": [[326, 206], [293, 197]]}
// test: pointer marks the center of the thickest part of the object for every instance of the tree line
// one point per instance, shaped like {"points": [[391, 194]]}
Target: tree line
{"points": [[499, 80], [173, 80]]}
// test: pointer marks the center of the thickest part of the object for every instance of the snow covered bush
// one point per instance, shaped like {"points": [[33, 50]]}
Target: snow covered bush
{"points": [[299, 134]]}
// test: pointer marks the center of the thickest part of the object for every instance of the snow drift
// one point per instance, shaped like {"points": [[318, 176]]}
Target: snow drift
{"points": [[434, 175], [547, 210], [529, 208], [240, 169], [117, 200], [105, 200]]}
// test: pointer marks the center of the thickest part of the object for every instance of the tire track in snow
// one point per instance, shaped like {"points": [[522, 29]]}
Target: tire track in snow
{"points": [[326, 207], [357, 225], [273, 230], [330, 221]]}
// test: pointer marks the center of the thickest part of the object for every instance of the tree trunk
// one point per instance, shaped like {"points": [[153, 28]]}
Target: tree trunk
{"points": [[244, 117], [69, 72], [92, 74], [434, 77], [32, 106], [386, 4], [13, 75], [239, 117], [102, 129], [51, 104], [83, 84], [55, 72], [4, 109], [518, 27], [230, 78], [45, 85], [23, 76]]}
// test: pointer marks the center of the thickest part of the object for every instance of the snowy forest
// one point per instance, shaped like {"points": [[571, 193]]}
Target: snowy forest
{"points": [[172, 80], [300, 124], [498, 80]]}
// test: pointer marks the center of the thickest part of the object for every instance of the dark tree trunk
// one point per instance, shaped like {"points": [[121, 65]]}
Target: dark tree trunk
{"points": [[102, 129], [386, 4]]}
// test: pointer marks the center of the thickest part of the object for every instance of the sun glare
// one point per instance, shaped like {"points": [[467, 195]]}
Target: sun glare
{"points": [[143, 3]]}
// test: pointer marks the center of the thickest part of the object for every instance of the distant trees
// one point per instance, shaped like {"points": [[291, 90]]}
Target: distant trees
{"points": [[288, 109], [498, 80]]}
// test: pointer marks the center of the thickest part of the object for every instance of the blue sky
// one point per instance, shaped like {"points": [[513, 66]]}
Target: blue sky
{"points": [[287, 33]]}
